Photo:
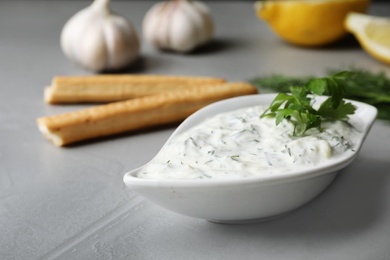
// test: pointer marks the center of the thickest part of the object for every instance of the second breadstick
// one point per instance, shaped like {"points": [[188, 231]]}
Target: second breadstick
{"points": [[134, 114]]}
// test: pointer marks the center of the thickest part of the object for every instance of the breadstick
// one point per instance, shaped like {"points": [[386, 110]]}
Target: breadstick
{"points": [[134, 114], [109, 88]]}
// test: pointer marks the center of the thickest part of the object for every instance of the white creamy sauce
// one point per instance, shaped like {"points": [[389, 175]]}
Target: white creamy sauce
{"points": [[240, 144]]}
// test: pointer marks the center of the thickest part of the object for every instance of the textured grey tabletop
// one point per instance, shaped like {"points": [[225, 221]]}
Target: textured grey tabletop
{"points": [[71, 203]]}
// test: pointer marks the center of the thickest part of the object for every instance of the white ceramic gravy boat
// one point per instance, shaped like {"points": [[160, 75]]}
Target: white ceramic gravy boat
{"points": [[247, 199]]}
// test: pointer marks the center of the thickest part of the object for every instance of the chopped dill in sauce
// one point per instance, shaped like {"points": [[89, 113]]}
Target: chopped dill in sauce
{"points": [[239, 144]]}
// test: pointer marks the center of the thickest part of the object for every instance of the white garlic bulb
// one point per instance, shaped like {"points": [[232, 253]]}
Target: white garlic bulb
{"points": [[99, 40], [178, 25]]}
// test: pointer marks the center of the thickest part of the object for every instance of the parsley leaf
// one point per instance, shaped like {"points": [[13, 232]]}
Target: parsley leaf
{"points": [[296, 107], [341, 112]]}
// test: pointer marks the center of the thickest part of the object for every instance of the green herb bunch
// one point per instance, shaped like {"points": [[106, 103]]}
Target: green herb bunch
{"points": [[366, 86], [297, 106]]}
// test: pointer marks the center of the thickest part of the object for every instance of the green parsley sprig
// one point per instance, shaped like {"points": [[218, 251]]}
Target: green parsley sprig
{"points": [[297, 105], [366, 86]]}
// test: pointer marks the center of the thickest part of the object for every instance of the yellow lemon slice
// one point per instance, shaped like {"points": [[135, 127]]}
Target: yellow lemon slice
{"points": [[373, 33], [308, 22]]}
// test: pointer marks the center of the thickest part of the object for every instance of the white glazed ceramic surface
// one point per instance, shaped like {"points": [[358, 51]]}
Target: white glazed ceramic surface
{"points": [[248, 199]]}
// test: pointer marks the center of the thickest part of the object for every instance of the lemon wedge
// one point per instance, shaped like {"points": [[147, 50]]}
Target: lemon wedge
{"points": [[372, 32], [308, 22]]}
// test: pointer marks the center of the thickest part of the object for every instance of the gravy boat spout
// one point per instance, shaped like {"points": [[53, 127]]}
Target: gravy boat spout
{"points": [[251, 199]]}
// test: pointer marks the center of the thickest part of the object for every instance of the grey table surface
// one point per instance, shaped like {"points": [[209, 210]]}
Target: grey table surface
{"points": [[71, 203]]}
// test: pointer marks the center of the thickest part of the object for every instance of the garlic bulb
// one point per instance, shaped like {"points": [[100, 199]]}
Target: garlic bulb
{"points": [[99, 40], [178, 25]]}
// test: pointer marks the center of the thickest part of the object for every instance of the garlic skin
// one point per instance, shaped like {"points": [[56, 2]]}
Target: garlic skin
{"points": [[99, 40], [178, 25]]}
